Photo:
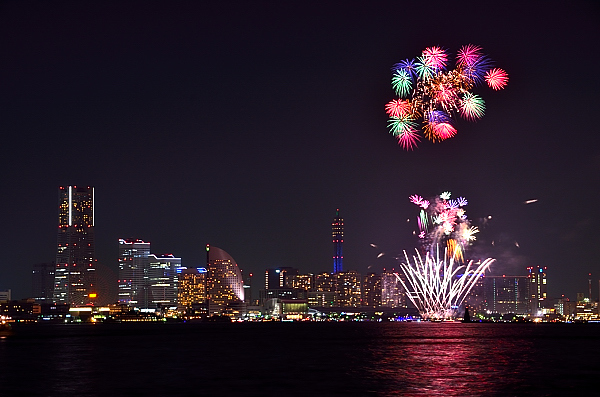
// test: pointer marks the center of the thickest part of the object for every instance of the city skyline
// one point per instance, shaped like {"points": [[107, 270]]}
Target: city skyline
{"points": [[246, 126]]}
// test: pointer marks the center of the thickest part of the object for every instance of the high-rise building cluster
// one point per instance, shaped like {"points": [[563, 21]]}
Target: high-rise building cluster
{"points": [[158, 286]]}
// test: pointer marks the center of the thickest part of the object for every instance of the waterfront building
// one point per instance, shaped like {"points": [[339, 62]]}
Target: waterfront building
{"points": [[162, 279], [248, 296], [224, 282], [475, 299], [371, 290], [507, 294], [325, 282], [191, 292], [294, 309], [5, 295], [133, 272], [538, 289], [348, 287], [25, 310], [303, 282], [74, 277], [42, 281], [337, 234], [323, 299], [392, 292], [279, 293], [586, 310], [563, 306], [279, 277]]}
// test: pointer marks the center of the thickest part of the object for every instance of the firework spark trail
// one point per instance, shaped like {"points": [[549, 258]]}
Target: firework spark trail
{"points": [[435, 94], [435, 286]]}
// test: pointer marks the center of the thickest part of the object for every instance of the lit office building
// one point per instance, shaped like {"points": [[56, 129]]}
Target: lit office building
{"points": [[133, 273], [371, 290], [248, 296], [325, 282], [323, 299], [475, 299], [392, 292], [348, 288], [337, 235], [162, 279], [74, 277], [280, 277], [5, 295], [224, 282], [507, 294], [304, 282], [538, 289], [280, 293], [191, 287], [42, 282]]}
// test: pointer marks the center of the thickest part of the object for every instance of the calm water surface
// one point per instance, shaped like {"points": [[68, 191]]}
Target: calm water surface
{"points": [[296, 359]]}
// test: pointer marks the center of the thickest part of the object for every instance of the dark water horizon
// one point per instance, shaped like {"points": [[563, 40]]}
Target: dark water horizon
{"points": [[301, 359]]}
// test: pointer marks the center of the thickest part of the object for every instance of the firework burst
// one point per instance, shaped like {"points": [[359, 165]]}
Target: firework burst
{"points": [[429, 91], [438, 287], [496, 79], [443, 222]]}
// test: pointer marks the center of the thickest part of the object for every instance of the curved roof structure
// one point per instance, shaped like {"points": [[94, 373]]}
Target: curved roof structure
{"points": [[224, 282]]}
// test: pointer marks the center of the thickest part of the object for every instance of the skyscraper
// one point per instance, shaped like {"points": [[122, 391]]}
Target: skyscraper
{"points": [[371, 291], [348, 287], [337, 234], [191, 288], [74, 277], [538, 289], [133, 269], [392, 292], [162, 280], [279, 277], [224, 282], [507, 294], [42, 281]]}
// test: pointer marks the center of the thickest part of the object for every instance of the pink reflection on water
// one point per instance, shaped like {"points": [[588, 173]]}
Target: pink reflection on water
{"points": [[447, 359]]}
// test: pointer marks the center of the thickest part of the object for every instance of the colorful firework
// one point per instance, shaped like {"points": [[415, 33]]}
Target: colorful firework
{"points": [[398, 108], [496, 79], [472, 106], [438, 287], [443, 222], [434, 94]]}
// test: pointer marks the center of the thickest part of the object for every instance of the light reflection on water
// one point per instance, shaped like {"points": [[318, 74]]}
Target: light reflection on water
{"points": [[292, 359], [447, 360], [453, 359]]}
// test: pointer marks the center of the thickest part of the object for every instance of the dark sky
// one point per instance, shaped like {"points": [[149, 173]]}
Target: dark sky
{"points": [[246, 124]]}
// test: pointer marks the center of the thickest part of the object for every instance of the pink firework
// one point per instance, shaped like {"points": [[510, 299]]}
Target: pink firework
{"points": [[468, 55], [436, 57], [444, 131], [397, 108], [416, 199], [446, 94], [408, 139], [496, 78]]}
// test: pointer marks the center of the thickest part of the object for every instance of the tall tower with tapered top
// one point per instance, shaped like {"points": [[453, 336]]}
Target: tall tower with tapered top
{"points": [[74, 277], [337, 235]]}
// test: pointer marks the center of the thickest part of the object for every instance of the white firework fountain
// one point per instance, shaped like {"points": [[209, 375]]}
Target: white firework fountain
{"points": [[438, 287]]}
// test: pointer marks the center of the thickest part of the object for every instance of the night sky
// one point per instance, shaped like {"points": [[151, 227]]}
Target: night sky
{"points": [[246, 124]]}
